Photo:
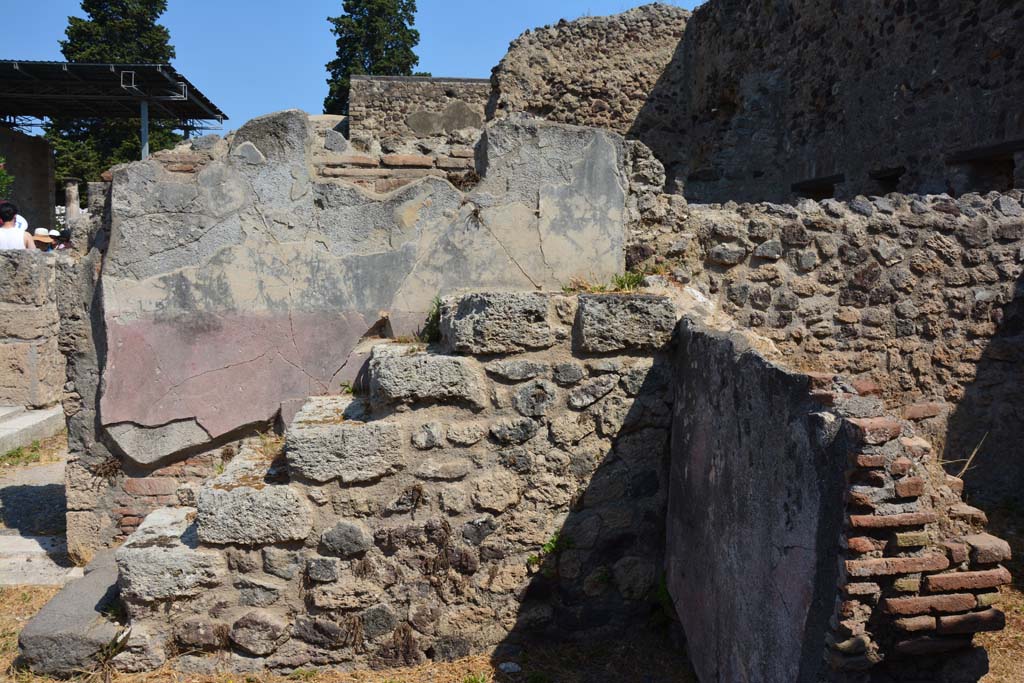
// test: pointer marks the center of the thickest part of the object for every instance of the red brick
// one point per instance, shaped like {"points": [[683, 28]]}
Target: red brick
{"points": [[356, 160], [914, 624], [916, 447], [824, 398], [150, 486], [461, 152], [921, 411], [968, 514], [900, 467], [926, 645], [864, 544], [820, 381], [181, 168], [887, 566], [130, 521], [988, 620], [865, 386], [875, 478], [957, 551], [910, 488], [450, 164], [876, 430], [408, 160], [862, 588], [890, 521], [987, 549], [955, 484], [967, 581], [869, 460], [860, 499], [931, 604]]}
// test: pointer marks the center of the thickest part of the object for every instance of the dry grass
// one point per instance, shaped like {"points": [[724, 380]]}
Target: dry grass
{"points": [[1006, 648], [17, 605], [43, 452]]}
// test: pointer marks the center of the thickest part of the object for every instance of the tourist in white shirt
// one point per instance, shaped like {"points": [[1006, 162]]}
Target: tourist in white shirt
{"points": [[12, 237]]}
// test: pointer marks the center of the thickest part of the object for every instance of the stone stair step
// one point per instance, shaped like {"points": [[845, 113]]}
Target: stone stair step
{"points": [[19, 429]]}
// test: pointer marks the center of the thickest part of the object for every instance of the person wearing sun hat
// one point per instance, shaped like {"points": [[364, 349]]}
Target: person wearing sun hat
{"points": [[42, 239]]}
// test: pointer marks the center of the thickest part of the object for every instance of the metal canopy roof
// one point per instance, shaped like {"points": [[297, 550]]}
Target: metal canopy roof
{"points": [[77, 90]]}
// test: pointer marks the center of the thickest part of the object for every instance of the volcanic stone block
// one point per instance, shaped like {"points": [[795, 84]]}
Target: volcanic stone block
{"points": [[321, 450], [346, 540], [64, 638], [497, 323], [149, 445], [160, 561], [425, 377], [259, 633], [617, 322], [253, 516]]}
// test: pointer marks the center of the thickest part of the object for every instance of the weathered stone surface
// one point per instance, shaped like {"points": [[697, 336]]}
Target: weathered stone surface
{"points": [[592, 391], [202, 268], [346, 540], [596, 71], [535, 398], [726, 447], [259, 633], [411, 378], [149, 445], [497, 323], [65, 637], [252, 516], [514, 430], [465, 434], [615, 322], [321, 445], [161, 561], [280, 563], [430, 435], [516, 370], [201, 633]]}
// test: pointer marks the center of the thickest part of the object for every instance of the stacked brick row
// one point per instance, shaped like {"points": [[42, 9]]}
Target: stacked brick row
{"points": [[920, 575], [386, 172]]}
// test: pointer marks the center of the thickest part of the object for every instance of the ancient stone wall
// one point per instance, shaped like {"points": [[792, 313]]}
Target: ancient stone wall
{"points": [[31, 366], [595, 71], [510, 483], [410, 107], [238, 281], [914, 296], [762, 462], [764, 101]]}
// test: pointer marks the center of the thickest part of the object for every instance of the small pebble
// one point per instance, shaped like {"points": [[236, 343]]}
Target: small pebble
{"points": [[509, 668]]}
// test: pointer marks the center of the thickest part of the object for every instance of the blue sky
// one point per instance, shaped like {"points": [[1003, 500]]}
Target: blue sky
{"points": [[256, 56]]}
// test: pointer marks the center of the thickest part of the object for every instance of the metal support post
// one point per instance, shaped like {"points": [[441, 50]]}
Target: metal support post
{"points": [[144, 133]]}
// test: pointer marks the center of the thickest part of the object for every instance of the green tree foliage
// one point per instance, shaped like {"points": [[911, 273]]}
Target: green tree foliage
{"points": [[6, 181], [113, 31], [374, 37]]}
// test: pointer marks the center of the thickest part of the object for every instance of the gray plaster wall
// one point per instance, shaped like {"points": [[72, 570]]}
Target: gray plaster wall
{"points": [[754, 513], [30, 160], [236, 280]]}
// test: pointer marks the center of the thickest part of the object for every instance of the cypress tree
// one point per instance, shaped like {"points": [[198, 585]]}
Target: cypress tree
{"points": [[374, 37]]}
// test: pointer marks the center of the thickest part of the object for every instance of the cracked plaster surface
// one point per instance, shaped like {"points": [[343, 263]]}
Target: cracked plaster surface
{"points": [[228, 292]]}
